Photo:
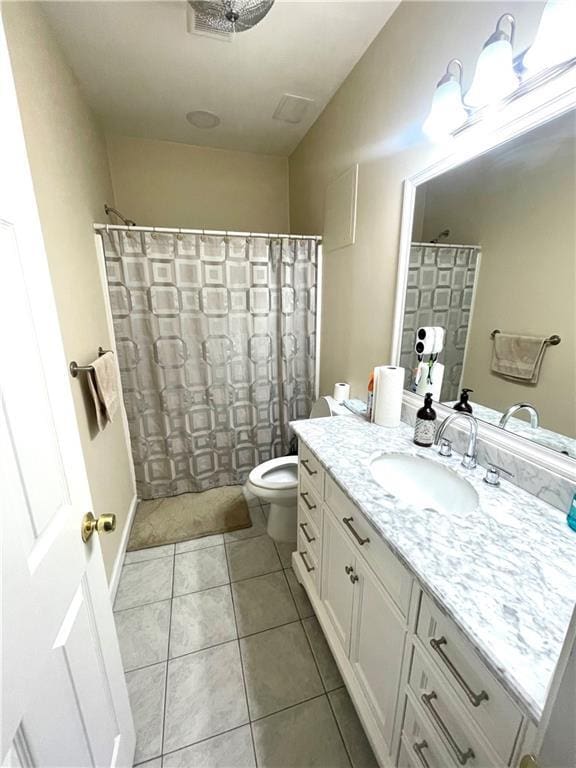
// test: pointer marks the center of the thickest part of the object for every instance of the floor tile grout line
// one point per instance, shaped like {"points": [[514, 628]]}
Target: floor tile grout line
{"points": [[348, 753], [313, 656], [203, 741], [216, 645], [242, 667], [168, 659], [290, 706]]}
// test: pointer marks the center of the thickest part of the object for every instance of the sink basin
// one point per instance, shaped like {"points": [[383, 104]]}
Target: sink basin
{"points": [[423, 483]]}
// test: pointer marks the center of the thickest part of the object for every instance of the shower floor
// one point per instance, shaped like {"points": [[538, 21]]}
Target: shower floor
{"points": [[225, 662]]}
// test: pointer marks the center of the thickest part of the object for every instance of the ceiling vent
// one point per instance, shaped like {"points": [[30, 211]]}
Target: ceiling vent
{"points": [[196, 24], [292, 109]]}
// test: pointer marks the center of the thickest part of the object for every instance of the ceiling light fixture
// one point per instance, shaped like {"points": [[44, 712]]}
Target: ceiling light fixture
{"points": [[447, 112], [202, 119], [495, 77], [556, 37], [230, 15]]}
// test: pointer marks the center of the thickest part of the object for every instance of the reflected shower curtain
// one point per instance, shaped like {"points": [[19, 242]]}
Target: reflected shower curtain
{"points": [[216, 340]]}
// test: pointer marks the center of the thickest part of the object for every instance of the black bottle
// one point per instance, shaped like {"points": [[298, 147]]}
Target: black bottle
{"points": [[463, 404], [425, 427]]}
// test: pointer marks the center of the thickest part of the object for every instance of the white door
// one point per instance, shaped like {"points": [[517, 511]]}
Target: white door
{"points": [[555, 738], [64, 698], [338, 576], [377, 647]]}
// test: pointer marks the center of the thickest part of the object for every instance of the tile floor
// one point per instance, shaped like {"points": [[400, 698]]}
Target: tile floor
{"points": [[226, 664]]}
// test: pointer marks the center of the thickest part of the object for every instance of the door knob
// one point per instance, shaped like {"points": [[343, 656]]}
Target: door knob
{"points": [[103, 524], [528, 761]]}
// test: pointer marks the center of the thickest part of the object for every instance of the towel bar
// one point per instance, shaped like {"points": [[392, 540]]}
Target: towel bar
{"points": [[75, 369], [553, 340]]}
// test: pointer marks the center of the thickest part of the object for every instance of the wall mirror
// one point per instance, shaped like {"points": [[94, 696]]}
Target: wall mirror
{"points": [[493, 262]]}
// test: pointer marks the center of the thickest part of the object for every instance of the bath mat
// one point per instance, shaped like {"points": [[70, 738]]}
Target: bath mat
{"points": [[189, 516]]}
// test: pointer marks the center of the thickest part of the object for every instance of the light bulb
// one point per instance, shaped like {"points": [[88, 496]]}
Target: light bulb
{"points": [[495, 77], [556, 38], [447, 112]]}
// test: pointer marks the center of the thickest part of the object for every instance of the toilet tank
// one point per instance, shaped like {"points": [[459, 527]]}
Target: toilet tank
{"points": [[327, 406]]}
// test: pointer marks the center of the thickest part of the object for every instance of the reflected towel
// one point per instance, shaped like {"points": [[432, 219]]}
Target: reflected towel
{"points": [[103, 384], [518, 357]]}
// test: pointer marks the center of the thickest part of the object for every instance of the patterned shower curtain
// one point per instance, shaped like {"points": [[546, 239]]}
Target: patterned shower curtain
{"points": [[216, 340]]}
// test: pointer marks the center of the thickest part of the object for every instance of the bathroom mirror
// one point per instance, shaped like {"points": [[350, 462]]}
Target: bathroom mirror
{"points": [[492, 261]]}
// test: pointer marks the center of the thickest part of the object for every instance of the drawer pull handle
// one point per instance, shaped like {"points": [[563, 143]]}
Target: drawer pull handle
{"points": [[348, 523], [304, 496], [304, 463], [461, 756], [419, 748], [307, 536], [475, 698], [308, 567]]}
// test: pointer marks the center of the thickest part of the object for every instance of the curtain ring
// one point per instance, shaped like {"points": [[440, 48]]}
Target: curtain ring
{"points": [[203, 236], [179, 236], [153, 233]]}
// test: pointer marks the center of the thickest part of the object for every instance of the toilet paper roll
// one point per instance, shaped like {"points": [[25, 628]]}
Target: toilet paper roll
{"points": [[431, 380], [429, 340], [388, 390], [341, 391]]}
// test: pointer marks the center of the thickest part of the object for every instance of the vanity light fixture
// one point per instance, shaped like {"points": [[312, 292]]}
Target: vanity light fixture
{"points": [[495, 77], [447, 112], [556, 37]]}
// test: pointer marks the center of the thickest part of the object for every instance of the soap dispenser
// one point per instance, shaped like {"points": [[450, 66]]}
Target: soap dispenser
{"points": [[463, 405], [425, 427]]}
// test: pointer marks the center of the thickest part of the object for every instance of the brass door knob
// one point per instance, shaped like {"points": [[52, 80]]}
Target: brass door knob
{"points": [[102, 524], [528, 761]]}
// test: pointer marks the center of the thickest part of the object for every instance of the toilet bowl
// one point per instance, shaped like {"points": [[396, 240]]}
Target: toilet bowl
{"points": [[275, 482]]}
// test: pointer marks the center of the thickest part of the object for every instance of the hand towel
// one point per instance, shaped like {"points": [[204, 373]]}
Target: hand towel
{"points": [[103, 383], [518, 357]]}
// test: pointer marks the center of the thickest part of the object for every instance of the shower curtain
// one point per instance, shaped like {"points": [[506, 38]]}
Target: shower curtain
{"points": [[216, 341]]}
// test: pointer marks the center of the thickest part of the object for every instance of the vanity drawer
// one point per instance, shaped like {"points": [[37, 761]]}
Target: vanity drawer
{"points": [[482, 696], [393, 575], [419, 746], [455, 729], [310, 505], [310, 468], [308, 562]]}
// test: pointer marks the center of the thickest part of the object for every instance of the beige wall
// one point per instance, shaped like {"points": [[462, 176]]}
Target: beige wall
{"points": [[70, 172], [518, 204], [374, 119], [166, 184]]}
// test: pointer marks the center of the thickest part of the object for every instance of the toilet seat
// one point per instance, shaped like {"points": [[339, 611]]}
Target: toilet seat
{"points": [[279, 474]]}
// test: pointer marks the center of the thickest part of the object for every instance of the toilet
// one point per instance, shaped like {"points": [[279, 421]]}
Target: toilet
{"points": [[275, 482]]}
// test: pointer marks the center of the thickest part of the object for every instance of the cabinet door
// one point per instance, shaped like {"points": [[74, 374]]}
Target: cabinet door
{"points": [[338, 563], [379, 635]]}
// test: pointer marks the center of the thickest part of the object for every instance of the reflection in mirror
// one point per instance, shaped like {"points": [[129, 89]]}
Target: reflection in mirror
{"points": [[490, 301]]}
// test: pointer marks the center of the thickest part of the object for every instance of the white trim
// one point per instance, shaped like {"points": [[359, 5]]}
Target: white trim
{"points": [[119, 562], [319, 277], [551, 100]]}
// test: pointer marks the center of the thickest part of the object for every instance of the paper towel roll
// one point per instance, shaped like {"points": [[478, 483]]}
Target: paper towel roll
{"points": [[431, 381], [341, 391], [388, 390]]}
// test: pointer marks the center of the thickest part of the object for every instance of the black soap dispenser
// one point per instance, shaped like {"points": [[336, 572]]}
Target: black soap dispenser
{"points": [[425, 428], [463, 405]]}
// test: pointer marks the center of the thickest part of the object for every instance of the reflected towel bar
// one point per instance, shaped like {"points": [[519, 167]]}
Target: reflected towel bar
{"points": [[553, 340], [75, 369]]}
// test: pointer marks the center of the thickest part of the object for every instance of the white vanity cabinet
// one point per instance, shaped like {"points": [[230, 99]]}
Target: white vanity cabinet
{"points": [[424, 696]]}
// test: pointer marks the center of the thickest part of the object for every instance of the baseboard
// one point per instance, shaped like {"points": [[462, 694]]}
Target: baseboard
{"points": [[116, 571]]}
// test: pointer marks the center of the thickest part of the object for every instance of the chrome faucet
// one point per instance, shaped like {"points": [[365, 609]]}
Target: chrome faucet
{"points": [[469, 460], [534, 420]]}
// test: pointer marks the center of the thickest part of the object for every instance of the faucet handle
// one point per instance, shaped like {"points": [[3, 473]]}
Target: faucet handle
{"points": [[445, 447], [493, 474]]}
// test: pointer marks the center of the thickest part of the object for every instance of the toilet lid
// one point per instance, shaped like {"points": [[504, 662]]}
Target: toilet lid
{"points": [[279, 474]]}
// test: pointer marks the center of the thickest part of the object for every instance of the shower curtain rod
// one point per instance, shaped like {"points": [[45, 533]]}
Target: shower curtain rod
{"points": [[184, 231]]}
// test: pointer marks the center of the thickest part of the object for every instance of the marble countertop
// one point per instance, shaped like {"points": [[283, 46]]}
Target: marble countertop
{"points": [[506, 574]]}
